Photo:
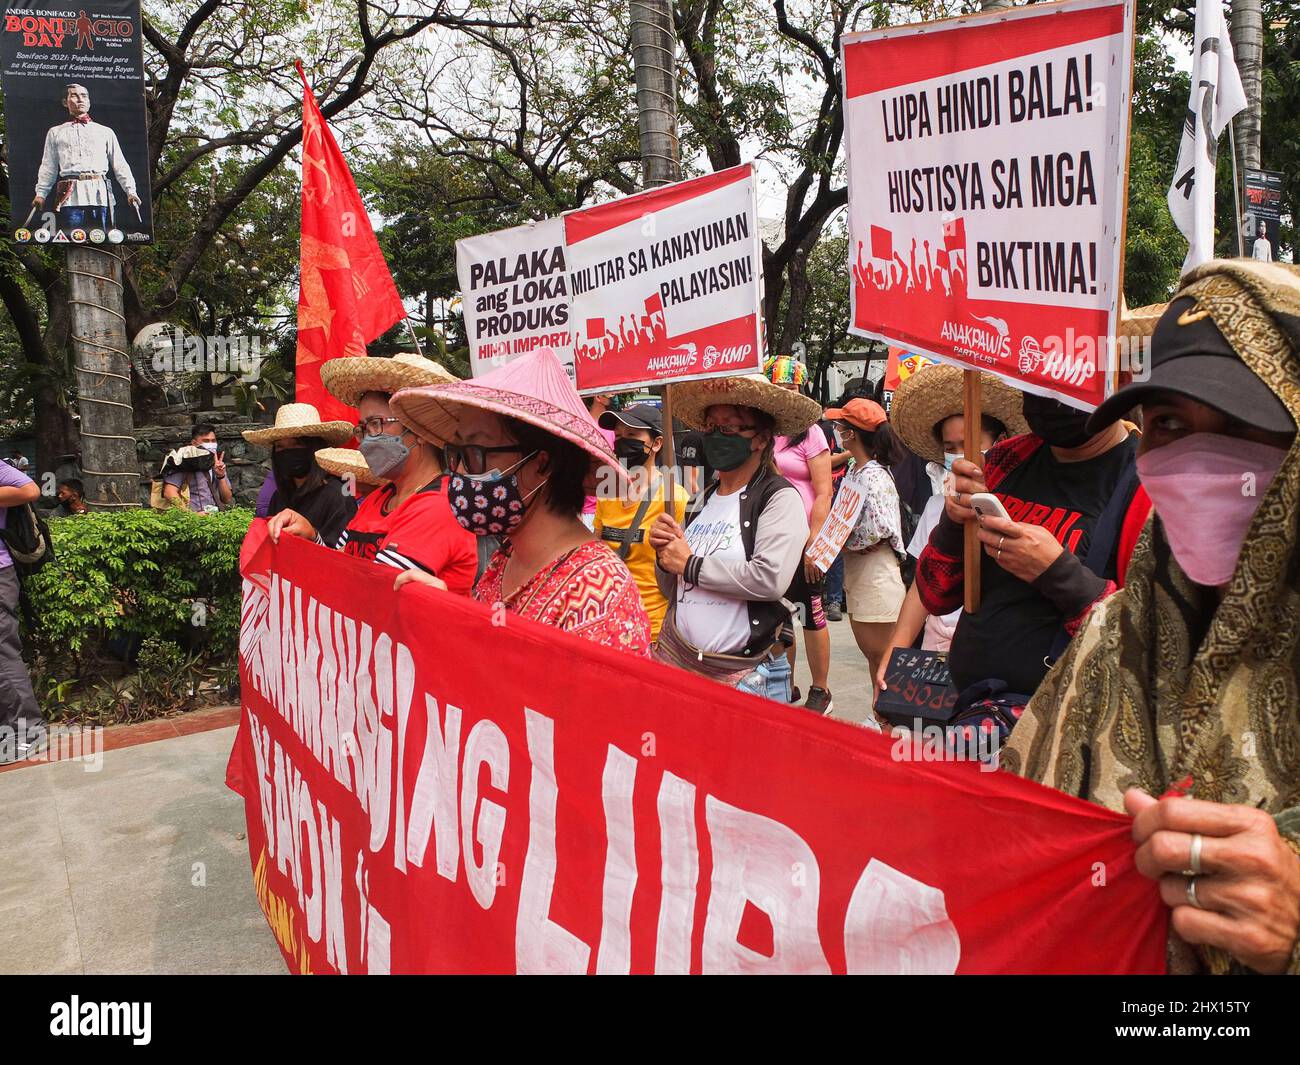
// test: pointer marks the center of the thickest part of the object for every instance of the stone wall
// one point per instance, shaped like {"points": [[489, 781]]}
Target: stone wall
{"points": [[246, 464]]}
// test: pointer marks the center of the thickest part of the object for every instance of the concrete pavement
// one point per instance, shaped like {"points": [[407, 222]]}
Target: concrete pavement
{"points": [[137, 868], [850, 679]]}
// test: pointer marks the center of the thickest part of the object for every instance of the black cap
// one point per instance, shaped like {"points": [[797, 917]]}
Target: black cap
{"points": [[1190, 357], [638, 416]]}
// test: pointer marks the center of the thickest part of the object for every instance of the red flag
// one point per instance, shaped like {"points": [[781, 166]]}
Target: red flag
{"points": [[346, 296], [882, 243], [595, 328], [954, 234], [941, 259], [654, 304]]}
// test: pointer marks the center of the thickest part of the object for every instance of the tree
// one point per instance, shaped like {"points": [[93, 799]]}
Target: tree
{"points": [[223, 103]]}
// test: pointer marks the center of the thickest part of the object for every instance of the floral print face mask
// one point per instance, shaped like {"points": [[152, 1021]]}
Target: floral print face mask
{"points": [[489, 504]]}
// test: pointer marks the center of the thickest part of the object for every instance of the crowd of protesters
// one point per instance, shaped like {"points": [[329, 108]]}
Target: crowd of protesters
{"points": [[1139, 620]]}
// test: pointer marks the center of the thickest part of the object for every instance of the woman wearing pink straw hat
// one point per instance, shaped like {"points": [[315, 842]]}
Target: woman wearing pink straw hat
{"points": [[523, 452]]}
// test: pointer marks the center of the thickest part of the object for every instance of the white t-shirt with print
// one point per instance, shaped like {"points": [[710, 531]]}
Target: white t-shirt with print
{"points": [[710, 620]]}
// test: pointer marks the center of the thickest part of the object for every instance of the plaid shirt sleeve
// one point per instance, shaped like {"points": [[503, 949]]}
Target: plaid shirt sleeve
{"points": [[940, 571]]}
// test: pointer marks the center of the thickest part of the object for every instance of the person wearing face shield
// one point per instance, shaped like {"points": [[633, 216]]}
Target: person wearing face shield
{"points": [[406, 523], [1068, 492], [927, 415], [322, 501], [1179, 700], [624, 522], [522, 455]]}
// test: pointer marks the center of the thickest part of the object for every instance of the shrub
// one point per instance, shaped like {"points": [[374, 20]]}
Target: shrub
{"points": [[166, 581]]}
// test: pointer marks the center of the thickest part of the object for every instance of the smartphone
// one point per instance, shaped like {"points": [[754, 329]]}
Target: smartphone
{"points": [[986, 504]]}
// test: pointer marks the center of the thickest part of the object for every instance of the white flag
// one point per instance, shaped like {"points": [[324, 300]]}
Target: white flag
{"points": [[1216, 96]]}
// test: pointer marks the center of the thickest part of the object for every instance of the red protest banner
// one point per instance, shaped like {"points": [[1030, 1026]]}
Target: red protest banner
{"points": [[671, 281], [987, 163], [434, 787]]}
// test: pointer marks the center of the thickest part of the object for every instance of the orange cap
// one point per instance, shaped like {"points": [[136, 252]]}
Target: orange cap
{"points": [[863, 413]]}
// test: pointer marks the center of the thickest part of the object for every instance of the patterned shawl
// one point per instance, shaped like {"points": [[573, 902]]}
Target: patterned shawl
{"points": [[1162, 684]]}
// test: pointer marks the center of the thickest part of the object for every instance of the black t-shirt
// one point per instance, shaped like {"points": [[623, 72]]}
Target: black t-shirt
{"points": [[329, 508], [690, 452], [1015, 626]]}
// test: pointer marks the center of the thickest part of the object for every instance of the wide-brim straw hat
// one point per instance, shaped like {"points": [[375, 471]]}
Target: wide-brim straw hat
{"points": [[348, 379], [347, 461], [792, 411], [532, 388], [299, 419], [1139, 321], [934, 393]]}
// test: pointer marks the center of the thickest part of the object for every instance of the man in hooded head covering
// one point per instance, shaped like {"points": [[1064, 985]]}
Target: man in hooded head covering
{"points": [[1185, 685]]}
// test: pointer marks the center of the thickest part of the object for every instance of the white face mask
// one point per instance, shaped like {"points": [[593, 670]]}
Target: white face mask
{"points": [[209, 446]]}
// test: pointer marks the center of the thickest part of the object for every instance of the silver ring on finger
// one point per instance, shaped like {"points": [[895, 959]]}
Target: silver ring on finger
{"points": [[1194, 862], [1000, 540], [1191, 893]]}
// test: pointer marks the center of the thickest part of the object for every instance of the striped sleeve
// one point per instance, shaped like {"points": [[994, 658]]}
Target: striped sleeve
{"points": [[387, 556]]}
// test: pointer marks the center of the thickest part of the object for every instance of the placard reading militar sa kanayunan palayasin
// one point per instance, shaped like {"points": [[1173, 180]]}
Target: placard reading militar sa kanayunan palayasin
{"points": [[667, 285], [987, 160]]}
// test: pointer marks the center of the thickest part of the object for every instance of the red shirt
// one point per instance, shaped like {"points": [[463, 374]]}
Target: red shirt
{"points": [[420, 533]]}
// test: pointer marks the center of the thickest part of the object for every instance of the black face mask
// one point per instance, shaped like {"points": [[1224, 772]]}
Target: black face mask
{"points": [[724, 452], [293, 461], [630, 451], [1057, 424], [65, 505]]}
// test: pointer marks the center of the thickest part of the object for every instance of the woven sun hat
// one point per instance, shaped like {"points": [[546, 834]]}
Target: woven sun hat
{"points": [[532, 388], [934, 393], [345, 462], [864, 413], [348, 379], [299, 419], [792, 411]]}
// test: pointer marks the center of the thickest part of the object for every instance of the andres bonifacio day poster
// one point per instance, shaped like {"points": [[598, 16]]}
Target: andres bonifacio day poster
{"points": [[75, 125]]}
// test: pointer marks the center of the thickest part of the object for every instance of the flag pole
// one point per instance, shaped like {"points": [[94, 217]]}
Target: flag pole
{"points": [[971, 415], [1236, 191], [414, 339]]}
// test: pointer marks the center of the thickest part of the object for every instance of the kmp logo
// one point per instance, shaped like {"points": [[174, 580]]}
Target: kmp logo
{"points": [[729, 356], [181, 352]]}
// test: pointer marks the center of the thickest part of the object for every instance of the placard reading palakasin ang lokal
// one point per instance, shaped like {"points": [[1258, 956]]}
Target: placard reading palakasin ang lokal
{"points": [[986, 190], [666, 285]]}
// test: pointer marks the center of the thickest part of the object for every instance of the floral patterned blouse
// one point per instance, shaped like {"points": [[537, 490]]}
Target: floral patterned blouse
{"points": [[588, 591], [879, 517]]}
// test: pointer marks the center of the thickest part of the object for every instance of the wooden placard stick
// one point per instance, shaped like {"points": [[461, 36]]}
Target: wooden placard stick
{"points": [[669, 451], [974, 549]]}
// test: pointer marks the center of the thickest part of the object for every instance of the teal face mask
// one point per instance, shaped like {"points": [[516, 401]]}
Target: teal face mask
{"points": [[948, 460]]}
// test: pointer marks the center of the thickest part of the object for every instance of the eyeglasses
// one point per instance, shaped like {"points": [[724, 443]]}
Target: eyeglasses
{"points": [[472, 458], [730, 430], [372, 426]]}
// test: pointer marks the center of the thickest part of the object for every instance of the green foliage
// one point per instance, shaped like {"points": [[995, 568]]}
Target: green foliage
{"points": [[170, 579]]}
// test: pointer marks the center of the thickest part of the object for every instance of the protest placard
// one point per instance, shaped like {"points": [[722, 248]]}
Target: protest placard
{"points": [[514, 294], [666, 285], [426, 792], [987, 165], [843, 516]]}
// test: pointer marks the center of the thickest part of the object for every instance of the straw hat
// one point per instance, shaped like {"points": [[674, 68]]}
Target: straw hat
{"points": [[348, 379], [793, 412], [1139, 321], [299, 419], [532, 388], [934, 393], [347, 461]]}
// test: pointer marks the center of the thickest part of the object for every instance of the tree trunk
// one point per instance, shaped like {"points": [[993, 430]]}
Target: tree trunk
{"points": [[654, 58], [108, 455], [1248, 47]]}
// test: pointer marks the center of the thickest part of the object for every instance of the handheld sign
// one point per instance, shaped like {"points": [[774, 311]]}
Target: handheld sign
{"points": [[839, 523], [918, 688], [987, 163], [666, 285], [513, 294]]}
